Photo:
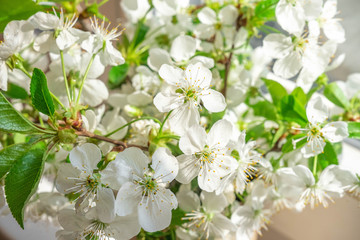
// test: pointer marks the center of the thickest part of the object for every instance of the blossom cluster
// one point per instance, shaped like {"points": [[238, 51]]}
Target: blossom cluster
{"points": [[199, 133]]}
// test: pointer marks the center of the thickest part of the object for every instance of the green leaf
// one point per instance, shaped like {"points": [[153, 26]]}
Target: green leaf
{"points": [[40, 94], [175, 150], [9, 155], [265, 109], [354, 129], [266, 9], [117, 75], [293, 111], [289, 146], [23, 179], [299, 94], [278, 135], [276, 90], [12, 121], [255, 132], [140, 33], [14, 91], [336, 95], [177, 215], [16, 10]]}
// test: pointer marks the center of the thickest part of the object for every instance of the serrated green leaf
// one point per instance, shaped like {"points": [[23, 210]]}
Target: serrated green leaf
{"points": [[276, 90], [117, 75], [354, 129], [9, 155], [12, 121], [40, 94], [14, 91], [16, 10], [22, 180], [336, 95]]}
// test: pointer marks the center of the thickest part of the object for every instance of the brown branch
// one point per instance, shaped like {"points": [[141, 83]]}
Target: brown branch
{"points": [[122, 145]]}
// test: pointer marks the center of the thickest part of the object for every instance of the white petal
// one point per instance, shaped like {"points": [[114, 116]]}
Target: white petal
{"points": [[71, 221], [166, 103], [115, 174], [183, 117], [64, 179], [335, 131], [212, 202], [353, 84], [165, 165], [188, 168], [228, 15], [65, 40], [112, 121], [305, 175], [213, 100], [183, 48], [111, 56], [207, 16], [207, 62], [45, 21], [139, 98], [223, 226], [43, 42], [312, 9], [288, 66], [316, 110], [334, 31], [171, 75], [277, 45], [105, 205], [198, 76], [94, 92], [290, 16], [188, 200], [127, 199], [155, 216], [220, 133], [193, 140], [165, 8], [125, 227], [135, 159], [313, 148], [158, 57], [204, 31], [3, 76], [85, 157]]}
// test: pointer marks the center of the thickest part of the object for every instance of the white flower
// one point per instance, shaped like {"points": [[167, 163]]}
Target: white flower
{"points": [[316, 132], [349, 180], [246, 157], [134, 9], [143, 190], [297, 52], [206, 156], [140, 131], [183, 94], [252, 216], [182, 52], [292, 14], [79, 177], [330, 25], [17, 36], [99, 223], [204, 214], [317, 192], [101, 43], [170, 7], [209, 23], [57, 33]]}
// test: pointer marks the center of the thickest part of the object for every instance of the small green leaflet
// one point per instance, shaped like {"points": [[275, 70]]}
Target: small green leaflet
{"points": [[276, 90], [22, 180], [40, 94], [354, 129], [12, 121], [336, 95], [117, 75], [9, 155]]}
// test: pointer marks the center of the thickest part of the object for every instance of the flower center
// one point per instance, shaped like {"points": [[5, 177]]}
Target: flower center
{"points": [[149, 184], [190, 94]]}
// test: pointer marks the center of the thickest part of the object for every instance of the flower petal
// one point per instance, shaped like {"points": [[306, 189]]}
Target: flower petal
{"points": [[188, 168], [127, 199], [335, 131], [135, 159], [220, 134], [288, 66], [183, 48], [212, 202], [207, 16], [316, 110], [213, 100], [165, 165], [228, 15], [291, 17], [193, 140], [85, 157], [158, 57], [171, 75]]}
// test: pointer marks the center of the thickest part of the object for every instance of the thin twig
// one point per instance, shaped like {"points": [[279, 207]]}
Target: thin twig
{"points": [[123, 145]]}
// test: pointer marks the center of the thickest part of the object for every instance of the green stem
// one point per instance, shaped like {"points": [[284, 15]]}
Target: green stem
{"points": [[131, 122], [163, 123], [176, 137], [84, 78], [315, 165], [57, 100], [102, 3], [21, 67], [64, 75]]}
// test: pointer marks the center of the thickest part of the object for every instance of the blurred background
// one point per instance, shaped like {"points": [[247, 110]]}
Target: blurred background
{"points": [[340, 220]]}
